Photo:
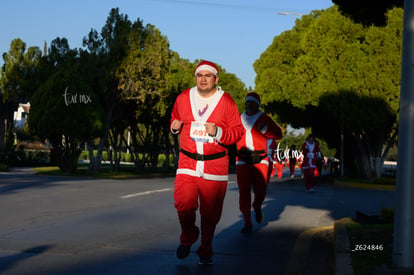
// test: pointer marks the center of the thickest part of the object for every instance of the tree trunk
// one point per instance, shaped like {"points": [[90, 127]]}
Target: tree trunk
{"points": [[91, 166]]}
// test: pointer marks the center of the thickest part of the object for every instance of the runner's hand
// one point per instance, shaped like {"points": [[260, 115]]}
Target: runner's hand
{"points": [[211, 129], [176, 125]]}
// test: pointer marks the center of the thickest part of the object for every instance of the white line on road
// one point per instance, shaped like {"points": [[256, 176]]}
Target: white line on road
{"points": [[145, 193]]}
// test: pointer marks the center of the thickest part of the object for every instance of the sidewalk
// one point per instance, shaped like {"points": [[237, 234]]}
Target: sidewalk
{"points": [[336, 236]]}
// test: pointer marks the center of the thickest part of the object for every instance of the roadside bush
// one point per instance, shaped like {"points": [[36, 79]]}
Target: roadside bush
{"points": [[29, 157], [126, 157], [4, 167]]}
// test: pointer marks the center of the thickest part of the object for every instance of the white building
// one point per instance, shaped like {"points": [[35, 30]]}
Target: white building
{"points": [[21, 114]]}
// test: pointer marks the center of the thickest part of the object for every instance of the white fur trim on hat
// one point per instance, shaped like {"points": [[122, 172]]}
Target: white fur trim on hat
{"points": [[252, 98], [206, 67]]}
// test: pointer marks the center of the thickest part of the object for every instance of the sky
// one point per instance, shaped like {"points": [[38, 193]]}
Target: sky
{"points": [[231, 33]]}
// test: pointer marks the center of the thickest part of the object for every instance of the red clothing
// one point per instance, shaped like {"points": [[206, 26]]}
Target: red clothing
{"points": [[225, 115], [248, 177], [271, 153], [258, 129], [309, 178], [188, 192], [203, 182], [292, 166], [253, 161], [310, 154], [279, 168]]}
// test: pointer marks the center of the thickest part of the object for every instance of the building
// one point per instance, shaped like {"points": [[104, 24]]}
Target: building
{"points": [[21, 114]]}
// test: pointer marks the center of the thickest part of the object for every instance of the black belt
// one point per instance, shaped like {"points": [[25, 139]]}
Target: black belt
{"points": [[249, 153], [251, 157], [197, 156]]}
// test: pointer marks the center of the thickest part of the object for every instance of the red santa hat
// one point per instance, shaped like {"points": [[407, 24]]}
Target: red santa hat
{"points": [[206, 66], [253, 97]]}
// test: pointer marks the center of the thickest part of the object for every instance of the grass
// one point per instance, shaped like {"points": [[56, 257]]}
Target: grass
{"points": [[371, 243], [380, 181], [384, 183], [371, 238], [106, 172]]}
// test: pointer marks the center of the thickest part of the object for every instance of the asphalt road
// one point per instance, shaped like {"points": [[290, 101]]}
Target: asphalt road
{"points": [[64, 225]]}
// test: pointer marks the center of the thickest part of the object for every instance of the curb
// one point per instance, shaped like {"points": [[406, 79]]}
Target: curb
{"points": [[364, 185], [343, 262]]}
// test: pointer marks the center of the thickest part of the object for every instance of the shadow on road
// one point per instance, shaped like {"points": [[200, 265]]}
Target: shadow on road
{"points": [[8, 262]]}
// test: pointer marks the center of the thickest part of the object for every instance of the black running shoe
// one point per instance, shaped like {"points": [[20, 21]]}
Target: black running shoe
{"points": [[205, 260], [246, 230], [259, 216], [183, 251]]}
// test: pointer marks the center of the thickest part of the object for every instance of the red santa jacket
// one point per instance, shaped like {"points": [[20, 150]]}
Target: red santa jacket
{"points": [[310, 154], [194, 140], [257, 130]]}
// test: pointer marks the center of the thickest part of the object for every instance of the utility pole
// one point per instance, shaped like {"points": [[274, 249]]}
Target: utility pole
{"points": [[403, 248]]}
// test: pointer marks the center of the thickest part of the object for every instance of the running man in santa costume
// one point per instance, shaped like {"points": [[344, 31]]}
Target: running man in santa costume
{"points": [[292, 160], [311, 153], [252, 163], [207, 120]]}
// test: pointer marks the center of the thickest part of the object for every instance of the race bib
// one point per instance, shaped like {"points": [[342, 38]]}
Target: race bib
{"points": [[198, 133]]}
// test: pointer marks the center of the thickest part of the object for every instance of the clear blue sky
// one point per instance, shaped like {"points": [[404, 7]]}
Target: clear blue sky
{"points": [[232, 33]]}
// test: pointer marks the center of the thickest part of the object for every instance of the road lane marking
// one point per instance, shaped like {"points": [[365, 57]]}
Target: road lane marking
{"points": [[145, 193]]}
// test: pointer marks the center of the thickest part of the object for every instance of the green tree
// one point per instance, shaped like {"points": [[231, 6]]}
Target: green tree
{"points": [[64, 110], [368, 12], [142, 80], [234, 86], [18, 82], [108, 49], [179, 77], [142, 77], [328, 58]]}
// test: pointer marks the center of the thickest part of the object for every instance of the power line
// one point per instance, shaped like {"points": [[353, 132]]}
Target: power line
{"points": [[229, 6]]}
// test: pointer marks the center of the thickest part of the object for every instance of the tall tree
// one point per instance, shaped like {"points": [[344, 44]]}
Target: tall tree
{"points": [[368, 12], [179, 77], [64, 110], [18, 82], [323, 56], [142, 79], [110, 48]]}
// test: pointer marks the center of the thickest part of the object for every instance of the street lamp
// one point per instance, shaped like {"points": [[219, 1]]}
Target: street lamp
{"points": [[289, 13]]}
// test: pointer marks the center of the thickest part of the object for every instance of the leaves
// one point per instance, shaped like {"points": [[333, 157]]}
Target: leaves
{"points": [[329, 70], [125, 79], [368, 12], [17, 74]]}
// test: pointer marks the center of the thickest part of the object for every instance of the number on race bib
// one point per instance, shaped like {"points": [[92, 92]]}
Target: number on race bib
{"points": [[198, 133]]}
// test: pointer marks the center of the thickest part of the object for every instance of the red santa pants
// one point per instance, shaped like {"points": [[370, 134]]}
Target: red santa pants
{"points": [[279, 167], [309, 177], [292, 165], [270, 170], [248, 176], [188, 191]]}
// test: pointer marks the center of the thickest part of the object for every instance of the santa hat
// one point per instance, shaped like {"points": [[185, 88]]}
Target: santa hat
{"points": [[206, 66], [253, 97]]}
